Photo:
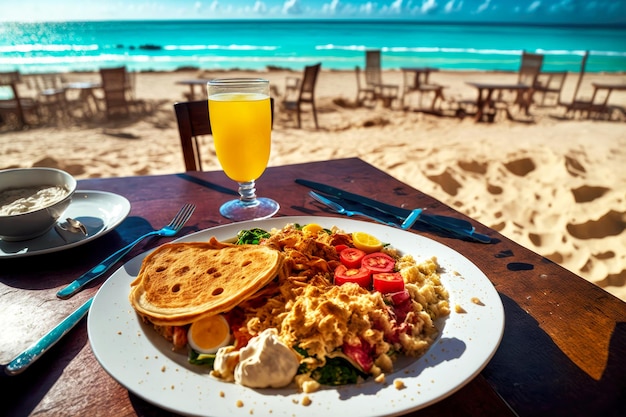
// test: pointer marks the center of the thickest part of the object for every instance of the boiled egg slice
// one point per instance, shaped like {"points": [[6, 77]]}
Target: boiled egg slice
{"points": [[209, 334]]}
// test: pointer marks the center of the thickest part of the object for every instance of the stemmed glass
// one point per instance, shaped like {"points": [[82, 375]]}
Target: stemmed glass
{"points": [[241, 122]]}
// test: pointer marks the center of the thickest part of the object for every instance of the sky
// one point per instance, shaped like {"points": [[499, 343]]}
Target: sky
{"points": [[519, 11]]}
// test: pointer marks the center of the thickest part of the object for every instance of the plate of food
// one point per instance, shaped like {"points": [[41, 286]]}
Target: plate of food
{"points": [[296, 316]]}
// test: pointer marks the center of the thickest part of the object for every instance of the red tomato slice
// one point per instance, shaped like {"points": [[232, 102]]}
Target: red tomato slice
{"points": [[378, 262], [387, 282], [360, 276], [351, 257], [340, 248]]}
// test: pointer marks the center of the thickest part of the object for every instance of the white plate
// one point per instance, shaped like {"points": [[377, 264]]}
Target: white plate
{"points": [[99, 211], [144, 363]]}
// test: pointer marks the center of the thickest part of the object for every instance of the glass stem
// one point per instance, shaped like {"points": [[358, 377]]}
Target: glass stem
{"points": [[247, 192]]}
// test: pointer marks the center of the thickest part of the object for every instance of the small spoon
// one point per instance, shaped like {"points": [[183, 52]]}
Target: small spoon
{"points": [[74, 226]]}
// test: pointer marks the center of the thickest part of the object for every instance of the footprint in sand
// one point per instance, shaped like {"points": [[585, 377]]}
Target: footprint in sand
{"points": [[494, 189], [587, 193], [473, 166], [520, 167], [447, 182], [574, 167], [72, 169], [611, 224]]}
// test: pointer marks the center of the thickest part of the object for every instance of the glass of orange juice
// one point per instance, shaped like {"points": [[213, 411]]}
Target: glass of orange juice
{"points": [[241, 122]]}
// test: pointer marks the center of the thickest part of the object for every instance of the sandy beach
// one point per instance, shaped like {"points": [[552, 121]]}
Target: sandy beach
{"points": [[556, 186]]}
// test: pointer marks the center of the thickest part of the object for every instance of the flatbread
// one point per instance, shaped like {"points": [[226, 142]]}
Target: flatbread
{"points": [[181, 282]]}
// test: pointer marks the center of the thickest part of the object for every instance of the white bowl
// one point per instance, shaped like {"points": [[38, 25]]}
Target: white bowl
{"points": [[31, 224]]}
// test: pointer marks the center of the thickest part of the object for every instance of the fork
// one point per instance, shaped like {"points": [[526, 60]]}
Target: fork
{"points": [[338, 208], [170, 230]]}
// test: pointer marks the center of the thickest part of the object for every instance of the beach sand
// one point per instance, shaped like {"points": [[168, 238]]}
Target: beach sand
{"points": [[555, 186]]}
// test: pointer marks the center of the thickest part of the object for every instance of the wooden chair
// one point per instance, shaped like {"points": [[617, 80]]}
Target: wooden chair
{"points": [[53, 100], [16, 107], [119, 92], [550, 84], [364, 93], [580, 105], [193, 121], [306, 94], [529, 70], [374, 79]]}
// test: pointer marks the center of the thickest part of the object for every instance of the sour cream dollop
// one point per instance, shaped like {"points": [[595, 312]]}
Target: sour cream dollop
{"points": [[265, 362]]}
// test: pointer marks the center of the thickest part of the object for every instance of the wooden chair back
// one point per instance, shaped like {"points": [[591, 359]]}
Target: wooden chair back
{"points": [[306, 93], [581, 73], [114, 84], [373, 76], [530, 68], [193, 121], [307, 86]]}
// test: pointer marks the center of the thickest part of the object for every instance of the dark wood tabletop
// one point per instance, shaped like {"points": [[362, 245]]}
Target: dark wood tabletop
{"points": [[562, 352]]}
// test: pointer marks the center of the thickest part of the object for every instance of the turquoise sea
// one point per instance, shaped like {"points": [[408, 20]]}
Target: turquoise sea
{"points": [[246, 44]]}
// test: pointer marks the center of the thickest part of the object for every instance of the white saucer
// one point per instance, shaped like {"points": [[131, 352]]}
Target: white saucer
{"points": [[99, 211]]}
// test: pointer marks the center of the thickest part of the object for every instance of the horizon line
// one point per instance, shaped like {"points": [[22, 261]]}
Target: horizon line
{"points": [[614, 25]]}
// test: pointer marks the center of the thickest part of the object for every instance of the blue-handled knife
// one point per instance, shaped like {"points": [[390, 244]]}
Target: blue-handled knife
{"points": [[457, 227]]}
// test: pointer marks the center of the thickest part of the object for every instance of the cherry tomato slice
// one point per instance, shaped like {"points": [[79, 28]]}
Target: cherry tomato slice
{"points": [[388, 282], [340, 248], [378, 262], [360, 276], [351, 257]]}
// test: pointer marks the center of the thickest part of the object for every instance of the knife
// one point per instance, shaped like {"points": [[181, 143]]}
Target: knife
{"points": [[32, 353], [457, 227]]}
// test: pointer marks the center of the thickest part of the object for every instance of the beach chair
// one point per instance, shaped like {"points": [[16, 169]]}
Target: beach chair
{"points": [[193, 121], [549, 85], [119, 92], [578, 105], [17, 108], [529, 69], [374, 79], [364, 93], [305, 93], [52, 95]]}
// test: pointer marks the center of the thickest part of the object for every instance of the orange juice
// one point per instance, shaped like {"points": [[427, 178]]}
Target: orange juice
{"points": [[241, 125]]}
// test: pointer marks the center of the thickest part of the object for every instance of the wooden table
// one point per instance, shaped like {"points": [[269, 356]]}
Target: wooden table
{"points": [[485, 102], [192, 83], [419, 77], [562, 353]]}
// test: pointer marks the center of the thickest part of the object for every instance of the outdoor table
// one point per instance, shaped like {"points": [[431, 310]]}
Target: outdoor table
{"points": [[489, 92], [86, 94], [420, 84], [562, 351], [192, 83]]}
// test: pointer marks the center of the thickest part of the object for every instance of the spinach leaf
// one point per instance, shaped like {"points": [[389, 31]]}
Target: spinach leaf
{"points": [[337, 371], [251, 237], [204, 359]]}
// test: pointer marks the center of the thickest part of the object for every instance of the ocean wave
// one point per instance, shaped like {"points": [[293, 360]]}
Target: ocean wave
{"points": [[46, 48], [220, 47], [477, 51]]}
